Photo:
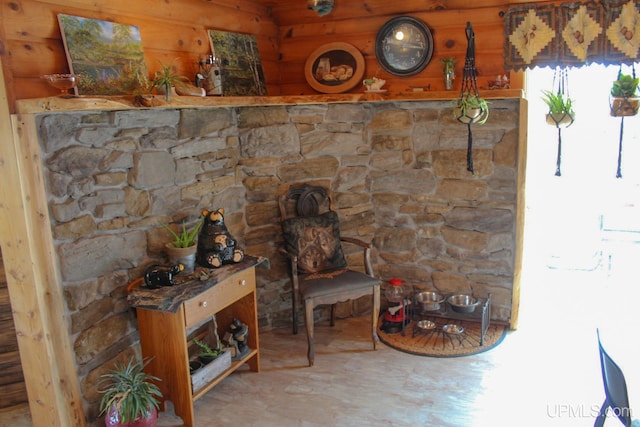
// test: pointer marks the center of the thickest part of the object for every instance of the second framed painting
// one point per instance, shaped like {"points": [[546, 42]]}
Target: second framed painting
{"points": [[334, 68]]}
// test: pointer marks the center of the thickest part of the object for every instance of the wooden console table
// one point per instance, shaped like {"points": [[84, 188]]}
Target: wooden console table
{"points": [[167, 315]]}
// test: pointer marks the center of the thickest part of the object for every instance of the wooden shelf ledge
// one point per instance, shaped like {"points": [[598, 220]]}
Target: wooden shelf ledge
{"points": [[105, 103]]}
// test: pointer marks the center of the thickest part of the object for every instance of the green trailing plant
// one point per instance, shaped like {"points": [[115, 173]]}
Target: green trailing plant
{"points": [[129, 390], [185, 237], [206, 350], [469, 101], [625, 86], [166, 78], [558, 103]]}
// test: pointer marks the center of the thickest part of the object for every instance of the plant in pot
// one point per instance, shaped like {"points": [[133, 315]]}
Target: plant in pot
{"points": [[130, 397], [182, 250], [624, 100], [207, 354], [471, 108], [560, 108], [165, 80]]}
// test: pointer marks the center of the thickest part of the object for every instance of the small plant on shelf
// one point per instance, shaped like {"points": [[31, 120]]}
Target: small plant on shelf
{"points": [[207, 353], [185, 237], [164, 80]]}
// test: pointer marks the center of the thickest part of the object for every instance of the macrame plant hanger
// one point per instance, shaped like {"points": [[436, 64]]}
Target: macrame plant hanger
{"points": [[621, 111], [469, 88], [561, 88]]}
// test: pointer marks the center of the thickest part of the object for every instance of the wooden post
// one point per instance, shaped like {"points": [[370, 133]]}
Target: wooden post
{"points": [[32, 276]]}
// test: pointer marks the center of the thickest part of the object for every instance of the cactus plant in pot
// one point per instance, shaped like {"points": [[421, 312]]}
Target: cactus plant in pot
{"points": [[129, 397]]}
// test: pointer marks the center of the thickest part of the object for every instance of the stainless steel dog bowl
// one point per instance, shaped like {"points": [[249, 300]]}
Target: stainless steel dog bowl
{"points": [[429, 300], [426, 324], [452, 329], [462, 303]]}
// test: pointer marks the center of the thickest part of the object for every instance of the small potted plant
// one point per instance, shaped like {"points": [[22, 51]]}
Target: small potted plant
{"points": [[471, 108], [183, 248], [165, 80], [624, 100], [560, 108], [207, 354], [130, 397], [449, 72]]}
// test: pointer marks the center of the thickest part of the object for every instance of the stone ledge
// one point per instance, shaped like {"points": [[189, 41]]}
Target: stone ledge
{"points": [[105, 103]]}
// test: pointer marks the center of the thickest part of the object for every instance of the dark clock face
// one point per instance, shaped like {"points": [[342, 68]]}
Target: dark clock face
{"points": [[404, 46]]}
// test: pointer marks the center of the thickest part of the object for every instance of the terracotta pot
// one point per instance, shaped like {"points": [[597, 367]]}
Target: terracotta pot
{"points": [[184, 256], [112, 419]]}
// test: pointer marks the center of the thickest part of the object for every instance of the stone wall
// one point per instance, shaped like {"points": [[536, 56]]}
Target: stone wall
{"points": [[398, 170]]}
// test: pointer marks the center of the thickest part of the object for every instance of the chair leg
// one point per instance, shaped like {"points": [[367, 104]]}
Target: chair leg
{"points": [[375, 312], [333, 315], [602, 415], [294, 308], [308, 320]]}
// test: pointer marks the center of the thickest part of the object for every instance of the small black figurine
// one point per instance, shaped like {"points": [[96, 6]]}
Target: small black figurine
{"points": [[216, 246], [156, 276]]}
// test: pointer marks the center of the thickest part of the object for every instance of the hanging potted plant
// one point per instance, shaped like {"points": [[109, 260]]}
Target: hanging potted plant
{"points": [[130, 397], [183, 248], [471, 108], [560, 108], [624, 100]]}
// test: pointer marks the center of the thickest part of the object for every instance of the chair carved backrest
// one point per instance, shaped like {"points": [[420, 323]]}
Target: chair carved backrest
{"points": [[311, 228], [615, 388], [305, 200]]}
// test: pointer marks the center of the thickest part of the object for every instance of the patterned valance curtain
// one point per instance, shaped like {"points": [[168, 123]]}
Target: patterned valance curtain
{"points": [[572, 34]]}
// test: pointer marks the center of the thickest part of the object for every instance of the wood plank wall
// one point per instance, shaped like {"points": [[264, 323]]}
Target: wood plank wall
{"points": [[172, 31], [12, 387]]}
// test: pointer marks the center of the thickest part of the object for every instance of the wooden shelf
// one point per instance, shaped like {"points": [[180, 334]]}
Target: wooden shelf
{"points": [[106, 103]]}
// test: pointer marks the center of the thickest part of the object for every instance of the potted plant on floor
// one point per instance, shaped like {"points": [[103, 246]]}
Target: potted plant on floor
{"points": [[130, 398], [624, 100], [183, 248], [560, 108]]}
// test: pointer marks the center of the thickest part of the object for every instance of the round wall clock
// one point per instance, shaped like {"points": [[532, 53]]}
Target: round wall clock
{"points": [[404, 46]]}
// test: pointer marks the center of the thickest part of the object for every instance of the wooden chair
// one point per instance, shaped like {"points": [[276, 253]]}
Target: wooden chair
{"points": [[615, 390], [319, 272]]}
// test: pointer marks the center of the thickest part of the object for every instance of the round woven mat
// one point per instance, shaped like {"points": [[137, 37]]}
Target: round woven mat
{"points": [[436, 343]]}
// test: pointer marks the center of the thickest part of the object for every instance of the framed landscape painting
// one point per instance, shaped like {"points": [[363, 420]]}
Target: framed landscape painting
{"points": [[107, 56], [241, 66]]}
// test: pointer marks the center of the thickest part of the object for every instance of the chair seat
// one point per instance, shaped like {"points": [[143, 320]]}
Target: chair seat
{"points": [[333, 282]]}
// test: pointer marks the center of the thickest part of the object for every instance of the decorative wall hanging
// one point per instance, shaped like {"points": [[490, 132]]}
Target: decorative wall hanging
{"points": [[108, 57], [469, 108], [623, 103], [334, 68], [404, 46], [572, 34], [241, 67], [561, 114]]}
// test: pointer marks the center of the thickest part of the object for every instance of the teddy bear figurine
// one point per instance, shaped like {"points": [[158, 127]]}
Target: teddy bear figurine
{"points": [[216, 246]]}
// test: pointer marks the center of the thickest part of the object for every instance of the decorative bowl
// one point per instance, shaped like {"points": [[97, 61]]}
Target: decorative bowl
{"points": [[429, 300], [426, 325], [452, 329], [63, 82], [462, 303]]}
